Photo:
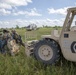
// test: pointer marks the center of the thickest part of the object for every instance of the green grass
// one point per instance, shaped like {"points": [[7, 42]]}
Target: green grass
{"points": [[23, 65]]}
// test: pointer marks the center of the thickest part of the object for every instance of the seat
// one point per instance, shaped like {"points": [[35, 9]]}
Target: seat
{"points": [[73, 28]]}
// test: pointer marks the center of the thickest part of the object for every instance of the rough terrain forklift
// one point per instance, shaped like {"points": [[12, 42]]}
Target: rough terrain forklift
{"points": [[48, 49]]}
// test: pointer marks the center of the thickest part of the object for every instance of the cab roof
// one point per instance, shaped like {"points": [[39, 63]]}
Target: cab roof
{"points": [[72, 9]]}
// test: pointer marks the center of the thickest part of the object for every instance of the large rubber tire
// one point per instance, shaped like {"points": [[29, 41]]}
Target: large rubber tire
{"points": [[46, 52], [73, 47]]}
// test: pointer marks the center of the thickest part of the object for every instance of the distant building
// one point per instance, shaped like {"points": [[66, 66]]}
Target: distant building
{"points": [[31, 27]]}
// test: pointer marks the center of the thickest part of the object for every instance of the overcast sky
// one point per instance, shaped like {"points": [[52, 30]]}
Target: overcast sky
{"points": [[40, 12]]}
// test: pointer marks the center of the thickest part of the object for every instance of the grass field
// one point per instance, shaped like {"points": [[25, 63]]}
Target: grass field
{"points": [[22, 65]]}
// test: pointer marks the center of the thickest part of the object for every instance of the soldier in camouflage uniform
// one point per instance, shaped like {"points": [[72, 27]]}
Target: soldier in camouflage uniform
{"points": [[17, 37], [3, 41]]}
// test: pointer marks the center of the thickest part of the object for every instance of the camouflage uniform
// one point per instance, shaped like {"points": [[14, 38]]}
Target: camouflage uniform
{"points": [[3, 41]]}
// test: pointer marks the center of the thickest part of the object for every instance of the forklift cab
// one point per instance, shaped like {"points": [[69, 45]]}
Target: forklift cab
{"points": [[68, 36]]}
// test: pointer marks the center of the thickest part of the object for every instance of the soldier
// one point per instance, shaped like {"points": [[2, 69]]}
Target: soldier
{"points": [[3, 41], [17, 37]]}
